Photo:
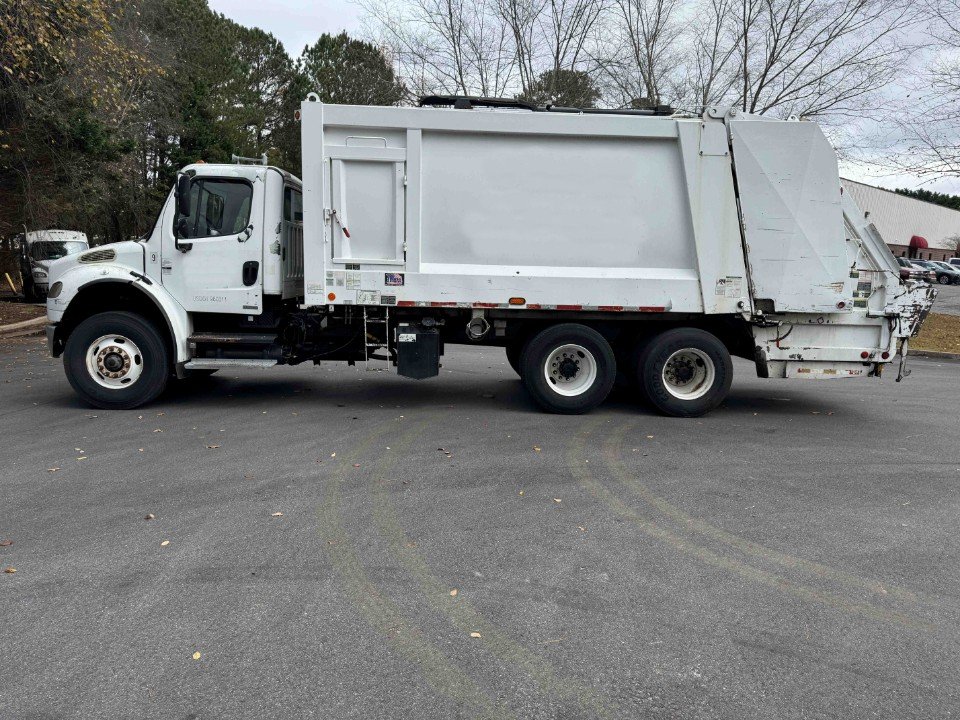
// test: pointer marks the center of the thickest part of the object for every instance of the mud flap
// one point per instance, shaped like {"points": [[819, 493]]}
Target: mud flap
{"points": [[903, 360]]}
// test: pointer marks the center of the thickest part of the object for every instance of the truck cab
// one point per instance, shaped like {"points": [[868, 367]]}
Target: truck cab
{"points": [[222, 264]]}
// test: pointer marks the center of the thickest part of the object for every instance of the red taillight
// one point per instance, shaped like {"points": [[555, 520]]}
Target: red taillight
{"points": [[864, 354], [885, 355]]}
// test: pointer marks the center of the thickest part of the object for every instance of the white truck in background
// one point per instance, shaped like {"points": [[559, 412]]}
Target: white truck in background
{"points": [[649, 244], [38, 249]]}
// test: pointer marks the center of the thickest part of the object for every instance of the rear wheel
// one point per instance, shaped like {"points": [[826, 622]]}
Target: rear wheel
{"points": [[944, 279], [116, 360], [568, 368], [684, 372]]}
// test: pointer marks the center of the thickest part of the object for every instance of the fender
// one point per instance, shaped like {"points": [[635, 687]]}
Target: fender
{"points": [[78, 278]]}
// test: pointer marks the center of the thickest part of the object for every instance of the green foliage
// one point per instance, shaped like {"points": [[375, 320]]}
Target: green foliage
{"points": [[949, 201], [101, 101], [350, 72], [567, 88]]}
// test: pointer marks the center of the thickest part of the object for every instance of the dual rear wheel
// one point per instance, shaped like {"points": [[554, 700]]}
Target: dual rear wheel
{"points": [[571, 368]]}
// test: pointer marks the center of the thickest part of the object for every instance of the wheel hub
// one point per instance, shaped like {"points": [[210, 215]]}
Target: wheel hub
{"points": [[114, 361], [688, 374], [568, 368]]}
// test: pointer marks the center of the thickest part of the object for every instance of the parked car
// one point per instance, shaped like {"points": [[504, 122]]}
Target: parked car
{"points": [[909, 271], [954, 261], [945, 274]]}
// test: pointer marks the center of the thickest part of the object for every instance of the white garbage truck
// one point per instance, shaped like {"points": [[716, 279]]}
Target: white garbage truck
{"points": [[595, 246]]}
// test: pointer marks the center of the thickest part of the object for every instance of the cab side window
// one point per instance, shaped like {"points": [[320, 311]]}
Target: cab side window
{"points": [[217, 207], [292, 205]]}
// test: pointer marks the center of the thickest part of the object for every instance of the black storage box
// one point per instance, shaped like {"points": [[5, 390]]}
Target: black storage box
{"points": [[418, 352]]}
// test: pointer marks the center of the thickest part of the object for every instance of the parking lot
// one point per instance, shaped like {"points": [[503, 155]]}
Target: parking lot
{"points": [[331, 543], [948, 299]]}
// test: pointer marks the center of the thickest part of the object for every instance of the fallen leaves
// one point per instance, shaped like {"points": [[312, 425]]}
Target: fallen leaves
{"points": [[445, 452], [53, 469], [196, 656], [475, 634], [9, 570], [82, 457], [164, 543], [453, 593], [536, 448], [558, 500], [6, 543], [212, 447], [149, 516], [276, 514]]}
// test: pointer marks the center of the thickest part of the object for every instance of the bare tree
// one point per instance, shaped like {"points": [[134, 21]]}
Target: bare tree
{"points": [[712, 71], [643, 42], [549, 35], [933, 134], [819, 57], [450, 46]]}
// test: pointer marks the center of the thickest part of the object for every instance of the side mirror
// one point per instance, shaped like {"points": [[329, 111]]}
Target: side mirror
{"points": [[183, 195]]}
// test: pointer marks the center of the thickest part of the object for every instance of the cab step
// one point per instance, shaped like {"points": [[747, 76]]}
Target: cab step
{"points": [[216, 363], [231, 339]]}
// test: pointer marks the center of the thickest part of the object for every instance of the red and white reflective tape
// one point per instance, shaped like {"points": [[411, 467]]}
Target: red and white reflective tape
{"points": [[533, 306]]}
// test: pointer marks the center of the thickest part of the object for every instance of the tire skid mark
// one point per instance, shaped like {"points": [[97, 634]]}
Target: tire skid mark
{"points": [[612, 452], [596, 489], [379, 611], [464, 616]]}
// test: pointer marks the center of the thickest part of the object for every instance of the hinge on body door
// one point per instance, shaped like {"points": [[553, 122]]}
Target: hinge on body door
{"points": [[404, 180]]}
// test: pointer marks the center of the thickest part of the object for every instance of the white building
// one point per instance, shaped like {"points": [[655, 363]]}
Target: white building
{"points": [[911, 228]]}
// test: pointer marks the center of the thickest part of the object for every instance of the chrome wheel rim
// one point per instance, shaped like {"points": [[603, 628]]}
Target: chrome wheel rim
{"points": [[688, 374], [570, 370], [114, 361]]}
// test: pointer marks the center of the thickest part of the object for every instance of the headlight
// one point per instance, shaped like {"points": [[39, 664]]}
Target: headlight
{"points": [[55, 289], [39, 274]]}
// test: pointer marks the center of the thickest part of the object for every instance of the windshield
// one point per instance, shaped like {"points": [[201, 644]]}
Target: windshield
{"points": [[50, 250]]}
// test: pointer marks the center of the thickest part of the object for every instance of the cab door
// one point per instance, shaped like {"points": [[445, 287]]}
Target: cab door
{"points": [[212, 258]]}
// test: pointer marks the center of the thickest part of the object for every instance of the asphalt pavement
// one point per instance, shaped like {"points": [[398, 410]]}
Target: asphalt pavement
{"points": [[948, 300], [332, 543]]}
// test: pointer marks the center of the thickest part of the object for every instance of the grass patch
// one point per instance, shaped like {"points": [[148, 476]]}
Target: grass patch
{"points": [[940, 333]]}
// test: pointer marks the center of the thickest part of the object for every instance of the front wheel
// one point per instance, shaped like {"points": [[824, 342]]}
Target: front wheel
{"points": [[568, 368], [685, 372], [116, 360], [944, 279]]}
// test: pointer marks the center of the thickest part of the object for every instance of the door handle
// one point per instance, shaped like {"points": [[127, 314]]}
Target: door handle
{"points": [[166, 264], [251, 269]]}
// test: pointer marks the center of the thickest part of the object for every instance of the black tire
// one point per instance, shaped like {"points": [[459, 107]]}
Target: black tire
{"points": [[540, 348], [514, 351], [653, 357], [152, 357], [944, 279]]}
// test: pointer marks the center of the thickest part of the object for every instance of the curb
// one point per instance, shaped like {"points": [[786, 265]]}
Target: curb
{"points": [[934, 355], [24, 328]]}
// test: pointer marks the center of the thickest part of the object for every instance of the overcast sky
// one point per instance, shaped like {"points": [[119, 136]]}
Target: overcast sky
{"points": [[297, 23]]}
